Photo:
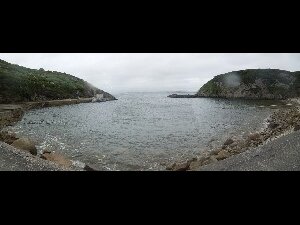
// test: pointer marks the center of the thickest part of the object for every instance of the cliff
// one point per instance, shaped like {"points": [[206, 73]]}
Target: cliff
{"points": [[20, 84], [253, 84]]}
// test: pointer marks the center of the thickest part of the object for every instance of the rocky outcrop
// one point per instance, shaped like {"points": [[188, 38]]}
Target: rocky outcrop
{"points": [[7, 137], [253, 84], [90, 168], [103, 98], [9, 114], [57, 158], [25, 144]]}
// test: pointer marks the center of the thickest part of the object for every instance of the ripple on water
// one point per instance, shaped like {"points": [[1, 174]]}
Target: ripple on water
{"points": [[141, 131]]}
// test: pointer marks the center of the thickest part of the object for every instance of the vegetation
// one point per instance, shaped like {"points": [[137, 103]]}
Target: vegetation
{"points": [[276, 83], [18, 84]]}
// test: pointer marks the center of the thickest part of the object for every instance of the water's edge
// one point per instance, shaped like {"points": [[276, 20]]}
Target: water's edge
{"points": [[68, 102]]}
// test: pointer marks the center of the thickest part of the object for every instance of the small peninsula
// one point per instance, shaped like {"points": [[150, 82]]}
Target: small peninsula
{"points": [[251, 84]]}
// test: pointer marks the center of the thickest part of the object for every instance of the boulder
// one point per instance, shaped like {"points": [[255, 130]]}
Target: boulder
{"points": [[222, 155], [273, 125], [99, 98], [297, 127], [254, 137], [25, 144], [89, 168], [215, 151], [57, 158], [229, 141], [7, 137], [171, 167], [46, 151], [179, 167], [182, 167], [196, 164], [209, 160]]}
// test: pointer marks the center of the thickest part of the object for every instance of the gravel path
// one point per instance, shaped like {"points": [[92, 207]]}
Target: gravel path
{"points": [[12, 159], [282, 154]]}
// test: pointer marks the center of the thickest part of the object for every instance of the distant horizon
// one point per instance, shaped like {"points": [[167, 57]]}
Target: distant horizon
{"points": [[152, 72]]}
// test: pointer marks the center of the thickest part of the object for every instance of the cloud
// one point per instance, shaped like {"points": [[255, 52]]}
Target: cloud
{"points": [[122, 72]]}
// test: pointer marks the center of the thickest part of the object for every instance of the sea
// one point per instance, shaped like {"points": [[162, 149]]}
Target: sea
{"points": [[142, 131]]}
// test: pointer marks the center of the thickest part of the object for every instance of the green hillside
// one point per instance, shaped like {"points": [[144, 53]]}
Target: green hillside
{"points": [[20, 84], [253, 84]]}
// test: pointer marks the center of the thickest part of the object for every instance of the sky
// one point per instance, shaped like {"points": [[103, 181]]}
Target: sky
{"points": [[151, 72]]}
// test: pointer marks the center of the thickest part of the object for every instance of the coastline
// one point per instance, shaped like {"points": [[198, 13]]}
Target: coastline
{"points": [[281, 123], [10, 114]]}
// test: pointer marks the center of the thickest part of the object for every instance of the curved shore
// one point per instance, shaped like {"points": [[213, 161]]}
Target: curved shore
{"points": [[281, 154], [12, 158], [281, 123]]}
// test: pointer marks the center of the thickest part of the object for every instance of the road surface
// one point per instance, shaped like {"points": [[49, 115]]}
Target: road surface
{"points": [[282, 154]]}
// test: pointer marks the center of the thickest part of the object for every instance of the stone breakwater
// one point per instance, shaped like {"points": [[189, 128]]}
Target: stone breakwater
{"points": [[281, 122]]}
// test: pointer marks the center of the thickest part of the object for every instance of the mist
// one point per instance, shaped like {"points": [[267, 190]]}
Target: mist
{"points": [[152, 72]]}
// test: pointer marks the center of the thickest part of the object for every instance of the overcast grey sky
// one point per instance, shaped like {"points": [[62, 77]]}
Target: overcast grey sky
{"points": [[115, 73]]}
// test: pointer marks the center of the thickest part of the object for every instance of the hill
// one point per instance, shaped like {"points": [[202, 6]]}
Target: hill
{"points": [[253, 84], [20, 84]]}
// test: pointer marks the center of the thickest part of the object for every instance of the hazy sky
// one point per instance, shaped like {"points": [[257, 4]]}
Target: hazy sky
{"points": [[114, 72]]}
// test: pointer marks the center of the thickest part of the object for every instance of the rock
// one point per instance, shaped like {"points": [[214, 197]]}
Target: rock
{"points": [[297, 127], [209, 160], [57, 158], [222, 155], [179, 167], [215, 151], [7, 137], [171, 167], [89, 168], [196, 164], [233, 145], [98, 98], [273, 125], [228, 141], [25, 144], [254, 137], [192, 160], [46, 151]]}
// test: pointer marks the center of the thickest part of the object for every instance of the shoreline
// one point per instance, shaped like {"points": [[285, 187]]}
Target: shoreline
{"points": [[280, 123], [10, 114]]}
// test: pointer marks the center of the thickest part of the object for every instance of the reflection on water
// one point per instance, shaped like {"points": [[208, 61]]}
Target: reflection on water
{"points": [[141, 131]]}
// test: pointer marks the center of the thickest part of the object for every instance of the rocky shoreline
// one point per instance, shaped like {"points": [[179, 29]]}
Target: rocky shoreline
{"points": [[281, 122], [24, 147]]}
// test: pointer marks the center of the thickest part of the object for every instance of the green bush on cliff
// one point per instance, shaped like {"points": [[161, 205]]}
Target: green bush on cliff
{"points": [[22, 84]]}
